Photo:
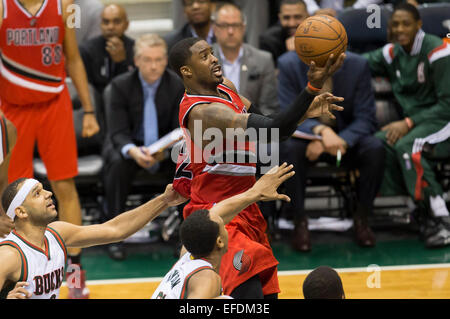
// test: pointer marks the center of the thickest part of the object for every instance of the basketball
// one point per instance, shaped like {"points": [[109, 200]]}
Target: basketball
{"points": [[319, 36]]}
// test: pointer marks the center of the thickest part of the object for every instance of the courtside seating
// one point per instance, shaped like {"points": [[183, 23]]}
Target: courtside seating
{"points": [[435, 18], [356, 22], [90, 162]]}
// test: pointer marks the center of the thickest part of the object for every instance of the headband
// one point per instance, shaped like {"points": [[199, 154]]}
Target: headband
{"points": [[20, 196]]}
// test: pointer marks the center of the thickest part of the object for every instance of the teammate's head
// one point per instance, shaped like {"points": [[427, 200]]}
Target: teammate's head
{"points": [[114, 21], [292, 13], [150, 57], [198, 12], [404, 24], [31, 203], [202, 233], [229, 26], [193, 60], [323, 283]]}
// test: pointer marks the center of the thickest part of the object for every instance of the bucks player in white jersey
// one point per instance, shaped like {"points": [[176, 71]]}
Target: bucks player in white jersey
{"points": [[33, 256], [205, 240]]}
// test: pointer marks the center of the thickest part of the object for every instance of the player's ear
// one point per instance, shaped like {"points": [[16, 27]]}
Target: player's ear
{"points": [[186, 71], [21, 212], [220, 243]]}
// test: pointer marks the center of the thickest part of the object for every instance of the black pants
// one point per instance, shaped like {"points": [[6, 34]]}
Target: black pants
{"points": [[119, 174], [367, 156]]}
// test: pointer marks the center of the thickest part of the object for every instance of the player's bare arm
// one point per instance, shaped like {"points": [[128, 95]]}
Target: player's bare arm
{"points": [[10, 266], [205, 284], [119, 228], [265, 189], [77, 72]]}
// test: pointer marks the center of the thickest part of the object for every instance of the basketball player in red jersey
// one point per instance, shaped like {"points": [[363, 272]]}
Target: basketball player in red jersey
{"points": [[8, 135], [38, 44], [248, 269]]}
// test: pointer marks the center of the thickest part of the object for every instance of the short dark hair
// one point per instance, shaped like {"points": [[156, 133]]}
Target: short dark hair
{"points": [[199, 233], [10, 192], [284, 2], [323, 283], [180, 53], [408, 7]]}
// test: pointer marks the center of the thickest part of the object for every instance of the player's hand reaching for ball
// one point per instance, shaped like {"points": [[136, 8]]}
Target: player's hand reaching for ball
{"points": [[318, 75], [323, 104], [266, 187]]}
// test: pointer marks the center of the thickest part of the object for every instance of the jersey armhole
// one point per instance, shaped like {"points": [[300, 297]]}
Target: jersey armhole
{"points": [[24, 267], [188, 277]]}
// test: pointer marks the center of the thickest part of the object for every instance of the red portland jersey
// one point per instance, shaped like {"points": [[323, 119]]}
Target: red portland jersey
{"points": [[214, 176], [32, 58]]}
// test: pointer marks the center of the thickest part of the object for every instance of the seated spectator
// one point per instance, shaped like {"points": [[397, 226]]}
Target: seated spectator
{"points": [[110, 53], [351, 134], [323, 283], [199, 24], [143, 107], [91, 11], [251, 70], [280, 38], [418, 66]]}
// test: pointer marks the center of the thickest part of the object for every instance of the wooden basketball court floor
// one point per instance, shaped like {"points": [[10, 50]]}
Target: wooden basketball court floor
{"points": [[399, 267]]}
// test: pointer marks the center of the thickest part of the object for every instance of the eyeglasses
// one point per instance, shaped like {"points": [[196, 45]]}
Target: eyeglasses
{"points": [[226, 26], [190, 3]]}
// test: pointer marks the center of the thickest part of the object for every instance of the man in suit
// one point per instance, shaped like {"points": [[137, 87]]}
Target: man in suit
{"points": [[280, 38], [251, 70], [143, 106], [351, 134], [199, 24]]}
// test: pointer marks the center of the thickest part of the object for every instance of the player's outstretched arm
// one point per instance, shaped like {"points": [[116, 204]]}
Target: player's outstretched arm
{"points": [[265, 189], [120, 227]]}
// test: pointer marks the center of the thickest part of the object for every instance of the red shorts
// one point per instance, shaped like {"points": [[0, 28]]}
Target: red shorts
{"points": [[249, 252], [50, 125]]}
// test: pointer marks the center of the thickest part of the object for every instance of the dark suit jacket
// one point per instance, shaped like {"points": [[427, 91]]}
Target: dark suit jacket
{"points": [[180, 34], [274, 41], [352, 82], [100, 68], [126, 109]]}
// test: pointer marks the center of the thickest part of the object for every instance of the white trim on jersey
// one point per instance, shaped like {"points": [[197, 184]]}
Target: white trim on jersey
{"points": [[38, 14], [418, 40], [29, 70], [27, 84], [434, 138], [59, 7], [5, 9], [230, 169], [23, 9], [445, 51], [387, 52]]}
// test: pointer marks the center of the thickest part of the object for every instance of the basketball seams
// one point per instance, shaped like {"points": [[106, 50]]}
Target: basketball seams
{"points": [[313, 56], [328, 25]]}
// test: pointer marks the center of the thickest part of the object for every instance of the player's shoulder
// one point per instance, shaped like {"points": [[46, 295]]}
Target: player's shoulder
{"points": [[435, 48], [10, 252]]}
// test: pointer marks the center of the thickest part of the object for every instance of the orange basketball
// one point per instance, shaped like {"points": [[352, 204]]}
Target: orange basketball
{"points": [[319, 36]]}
